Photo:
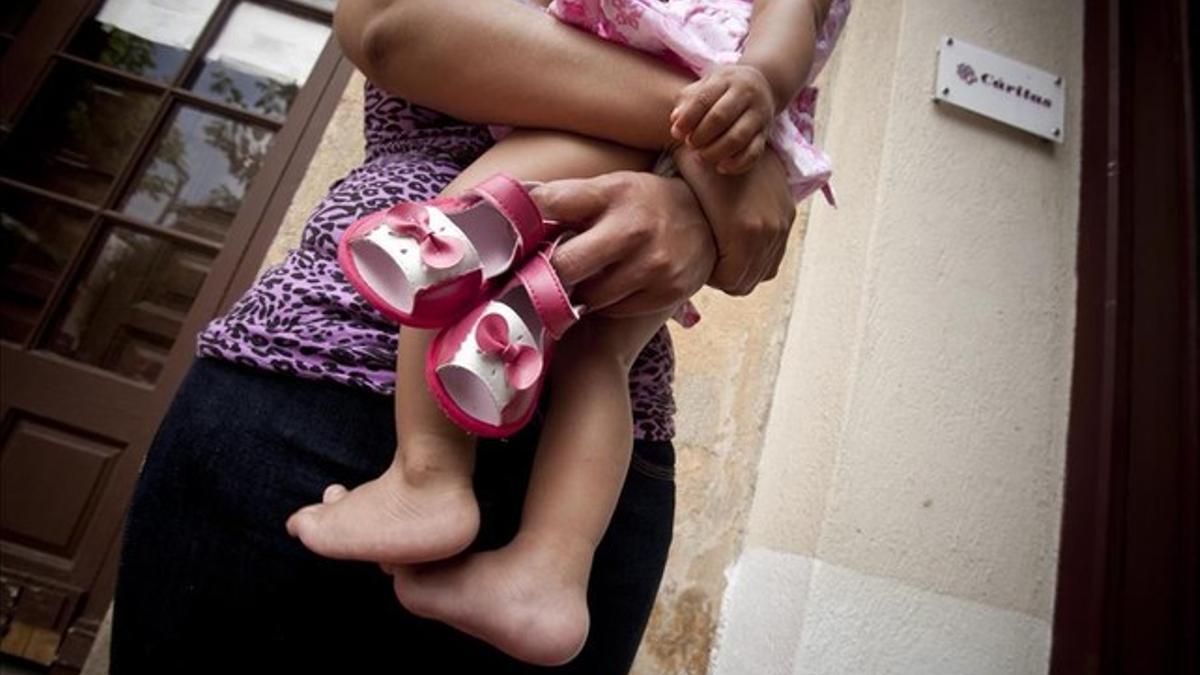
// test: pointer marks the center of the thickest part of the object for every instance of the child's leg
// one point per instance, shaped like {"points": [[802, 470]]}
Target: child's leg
{"points": [[529, 599], [423, 508]]}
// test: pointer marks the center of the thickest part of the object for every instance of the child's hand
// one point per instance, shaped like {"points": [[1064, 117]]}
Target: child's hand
{"points": [[725, 115]]}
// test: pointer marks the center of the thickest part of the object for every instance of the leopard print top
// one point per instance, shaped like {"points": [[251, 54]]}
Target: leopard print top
{"points": [[302, 317]]}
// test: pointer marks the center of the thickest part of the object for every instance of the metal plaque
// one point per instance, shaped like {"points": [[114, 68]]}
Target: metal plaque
{"points": [[1000, 88]]}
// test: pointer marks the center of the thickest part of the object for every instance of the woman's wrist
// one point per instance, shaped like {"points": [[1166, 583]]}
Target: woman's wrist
{"points": [[689, 167]]}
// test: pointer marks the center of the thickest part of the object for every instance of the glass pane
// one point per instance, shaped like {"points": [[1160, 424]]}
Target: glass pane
{"points": [[261, 59], [198, 172], [327, 5], [37, 240], [78, 133], [150, 38], [130, 305], [13, 14]]}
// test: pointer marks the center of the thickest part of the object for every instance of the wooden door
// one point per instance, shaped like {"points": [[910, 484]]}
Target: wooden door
{"points": [[1128, 594], [145, 147]]}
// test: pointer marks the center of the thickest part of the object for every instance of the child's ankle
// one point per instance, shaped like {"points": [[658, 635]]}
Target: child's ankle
{"points": [[431, 462], [572, 554]]}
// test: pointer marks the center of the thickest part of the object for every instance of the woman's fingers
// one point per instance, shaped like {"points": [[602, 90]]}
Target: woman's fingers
{"points": [[608, 288], [743, 160], [733, 265], [574, 200], [640, 303], [776, 259], [587, 254], [649, 234], [583, 203]]}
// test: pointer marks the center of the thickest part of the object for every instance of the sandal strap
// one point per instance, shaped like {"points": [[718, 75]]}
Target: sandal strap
{"points": [[550, 299], [510, 197]]}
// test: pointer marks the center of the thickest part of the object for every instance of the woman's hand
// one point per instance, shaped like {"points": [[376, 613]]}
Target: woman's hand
{"points": [[644, 245], [751, 216]]}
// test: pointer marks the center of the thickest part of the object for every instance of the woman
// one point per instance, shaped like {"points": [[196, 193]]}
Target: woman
{"points": [[287, 399]]}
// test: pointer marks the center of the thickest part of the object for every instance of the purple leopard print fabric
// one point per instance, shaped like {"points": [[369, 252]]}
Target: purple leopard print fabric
{"points": [[302, 317]]}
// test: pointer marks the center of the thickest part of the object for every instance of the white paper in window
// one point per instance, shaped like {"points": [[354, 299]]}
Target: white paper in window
{"points": [[175, 23], [265, 42], [328, 5]]}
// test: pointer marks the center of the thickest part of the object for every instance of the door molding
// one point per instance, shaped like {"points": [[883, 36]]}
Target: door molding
{"points": [[1127, 596]]}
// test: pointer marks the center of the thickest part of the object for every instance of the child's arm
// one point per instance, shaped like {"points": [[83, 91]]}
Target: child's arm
{"points": [[725, 115], [501, 62], [782, 36]]}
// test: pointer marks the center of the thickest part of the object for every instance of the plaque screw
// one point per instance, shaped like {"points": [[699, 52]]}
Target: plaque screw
{"points": [[1056, 132], [949, 42], [1058, 82], [946, 91]]}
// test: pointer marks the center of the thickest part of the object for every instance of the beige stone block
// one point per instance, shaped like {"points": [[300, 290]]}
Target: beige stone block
{"points": [[342, 148], [918, 427], [807, 412]]}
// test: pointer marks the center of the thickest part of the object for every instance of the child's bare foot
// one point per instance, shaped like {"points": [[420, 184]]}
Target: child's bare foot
{"points": [[391, 518], [527, 599]]}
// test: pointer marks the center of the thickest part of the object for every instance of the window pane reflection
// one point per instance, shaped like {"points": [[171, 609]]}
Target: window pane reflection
{"points": [[78, 134], [150, 38], [261, 59], [327, 5], [197, 174], [126, 313], [13, 14], [37, 240]]}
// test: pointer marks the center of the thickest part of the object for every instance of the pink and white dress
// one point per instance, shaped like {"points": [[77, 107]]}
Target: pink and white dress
{"points": [[701, 34]]}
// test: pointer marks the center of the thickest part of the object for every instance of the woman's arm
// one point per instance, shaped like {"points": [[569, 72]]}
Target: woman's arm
{"points": [[502, 62]]}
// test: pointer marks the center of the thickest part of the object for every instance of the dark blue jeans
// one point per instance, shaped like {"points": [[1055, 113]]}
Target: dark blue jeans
{"points": [[209, 579]]}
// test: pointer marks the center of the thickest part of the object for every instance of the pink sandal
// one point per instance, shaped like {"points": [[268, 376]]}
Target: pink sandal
{"points": [[424, 264], [486, 370]]}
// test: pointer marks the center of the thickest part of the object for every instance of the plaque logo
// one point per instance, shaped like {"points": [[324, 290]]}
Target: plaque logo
{"points": [[967, 74]]}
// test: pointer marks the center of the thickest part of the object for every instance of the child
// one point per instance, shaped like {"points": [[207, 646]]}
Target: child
{"points": [[528, 598]]}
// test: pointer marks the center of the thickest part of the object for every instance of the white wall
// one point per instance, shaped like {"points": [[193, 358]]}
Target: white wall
{"points": [[907, 511]]}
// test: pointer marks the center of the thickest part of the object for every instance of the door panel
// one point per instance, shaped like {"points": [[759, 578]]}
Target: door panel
{"points": [[35, 453]]}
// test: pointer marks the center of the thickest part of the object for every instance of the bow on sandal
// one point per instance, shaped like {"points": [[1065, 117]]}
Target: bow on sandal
{"points": [[425, 264], [486, 370], [522, 363], [437, 250]]}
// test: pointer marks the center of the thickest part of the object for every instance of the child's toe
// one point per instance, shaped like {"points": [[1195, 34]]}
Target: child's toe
{"points": [[302, 520], [334, 493]]}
